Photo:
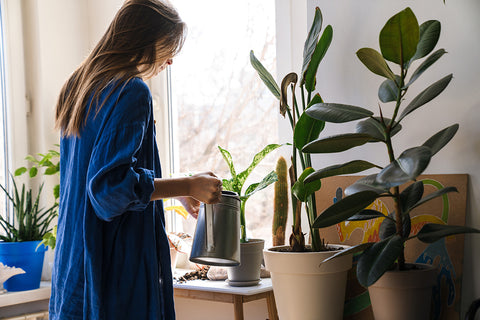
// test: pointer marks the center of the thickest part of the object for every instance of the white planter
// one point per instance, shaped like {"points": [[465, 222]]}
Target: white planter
{"points": [[400, 295], [305, 288]]}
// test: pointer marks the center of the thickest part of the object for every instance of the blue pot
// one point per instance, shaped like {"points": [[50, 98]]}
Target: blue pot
{"points": [[23, 255]]}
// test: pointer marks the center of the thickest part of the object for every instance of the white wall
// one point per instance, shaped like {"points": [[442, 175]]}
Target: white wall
{"points": [[343, 78]]}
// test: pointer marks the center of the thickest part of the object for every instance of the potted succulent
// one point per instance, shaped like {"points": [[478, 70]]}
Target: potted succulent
{"points": [[21, 245], [248, 272], [382, 264], [296, 268]]}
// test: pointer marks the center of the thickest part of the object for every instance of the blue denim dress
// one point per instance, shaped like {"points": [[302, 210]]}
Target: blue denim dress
{"points": [[112, 257]]}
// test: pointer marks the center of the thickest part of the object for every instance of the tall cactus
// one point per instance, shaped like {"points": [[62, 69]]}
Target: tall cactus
{"points": [[280, 203]]}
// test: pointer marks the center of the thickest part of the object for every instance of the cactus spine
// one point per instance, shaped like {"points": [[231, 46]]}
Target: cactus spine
{"points": [[280, 203]]}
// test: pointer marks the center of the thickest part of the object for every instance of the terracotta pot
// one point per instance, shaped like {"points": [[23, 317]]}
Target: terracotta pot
{"points": [[305, 288], [248, 272], [400, 295]]}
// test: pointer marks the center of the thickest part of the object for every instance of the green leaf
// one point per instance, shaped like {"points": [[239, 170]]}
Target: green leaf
{"points": [[374, 61], [366, 214], [434, 195], [20, 171], [429, 35], [302, 190], [399, 37], [368, 183], [344, 209], [311, 42], [337, 143], [408, 166], [354, 166], [33, 172], [377, 259], [352, 250], [228, 159], [51, 170], [266, 181], [227, 184], [425, 65], [320, 51], [374, 128], [411, 195], [307, 129], [432, 232], [426, 95], [242, 176], [388, 227], [441, 138], [265, 75], [337, 113], [56, 191], [388, 90]]}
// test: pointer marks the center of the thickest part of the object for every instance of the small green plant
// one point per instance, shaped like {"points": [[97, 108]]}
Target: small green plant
{"points": [[402, 42], [30, 222], [237, 181], [305, 129]]}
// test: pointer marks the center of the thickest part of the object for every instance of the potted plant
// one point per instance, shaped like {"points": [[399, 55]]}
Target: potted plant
{"points": [[296, 268], [251, 256], [21, 245], [382, 264]]}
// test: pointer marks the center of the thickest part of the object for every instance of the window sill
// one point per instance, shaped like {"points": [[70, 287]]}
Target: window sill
{"points": [[14, 298]]}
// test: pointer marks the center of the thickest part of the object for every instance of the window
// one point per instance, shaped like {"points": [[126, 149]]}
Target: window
{"points": [[3, 117], [219, 100]]}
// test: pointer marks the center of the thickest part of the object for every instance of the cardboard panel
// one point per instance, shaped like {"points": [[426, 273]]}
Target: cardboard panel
{"points": [[447, 253]]}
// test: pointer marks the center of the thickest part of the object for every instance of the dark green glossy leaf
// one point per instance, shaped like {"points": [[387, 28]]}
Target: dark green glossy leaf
{"points": [[307, 129], [441, 138], [340, 169], [368, 183], [374, 61], [301, 189], [266, 181], [411, 195], [388, 227], [352, 250], [366, 214], [429, 35], [426, 95], [408, 166], [265, 76], [56, 191], [320, 50], [399, 37], [434, 195], [425, 65], [375, 128], [20, 171], [388, 90], [311, 41], [337, 113], [377, 259], [336, 143], [432, 232], [287, 80], [344, 209]]}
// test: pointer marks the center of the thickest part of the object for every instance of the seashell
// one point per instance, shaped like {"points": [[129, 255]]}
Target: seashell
{"points": [[7, 272]]}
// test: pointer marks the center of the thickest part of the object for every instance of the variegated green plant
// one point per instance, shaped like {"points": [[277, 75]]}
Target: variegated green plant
{"points": [[402, 42], [237, 181], [305, 129]]}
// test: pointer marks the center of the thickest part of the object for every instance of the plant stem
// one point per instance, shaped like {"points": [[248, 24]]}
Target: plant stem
{"points": [[243, 227]]}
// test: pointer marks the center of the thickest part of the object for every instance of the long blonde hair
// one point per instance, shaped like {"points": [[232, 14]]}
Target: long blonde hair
{"points": [[142, 34]]}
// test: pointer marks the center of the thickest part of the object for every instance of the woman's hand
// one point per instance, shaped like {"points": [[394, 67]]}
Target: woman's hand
{"points": [[190, 204], [205, 187]]}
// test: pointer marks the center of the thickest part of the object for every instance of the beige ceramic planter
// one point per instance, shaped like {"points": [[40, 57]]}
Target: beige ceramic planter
{"points": [[304, 288], [400, 295]]}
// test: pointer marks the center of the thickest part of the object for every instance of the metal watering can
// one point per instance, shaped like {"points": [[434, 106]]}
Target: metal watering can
{"points": [[216, 240]]}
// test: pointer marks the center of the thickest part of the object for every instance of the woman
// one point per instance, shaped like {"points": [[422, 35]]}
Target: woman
{"points": [[112, 255]]}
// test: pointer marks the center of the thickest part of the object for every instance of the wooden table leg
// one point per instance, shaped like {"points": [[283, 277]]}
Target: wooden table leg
{"points": [[272, 308], [238, 307]]}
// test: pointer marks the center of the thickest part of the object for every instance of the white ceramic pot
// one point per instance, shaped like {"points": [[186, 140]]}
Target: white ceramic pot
{"points": [[400, 295], [305, 288]]}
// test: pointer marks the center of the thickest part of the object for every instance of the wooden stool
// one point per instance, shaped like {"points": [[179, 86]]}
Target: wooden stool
{"points": [[220, 291]]}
